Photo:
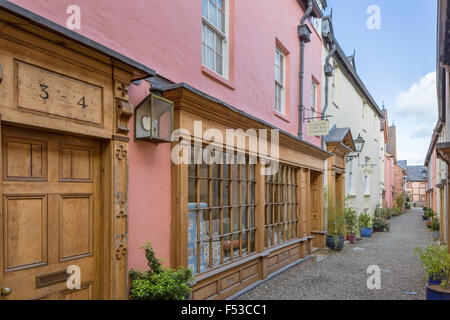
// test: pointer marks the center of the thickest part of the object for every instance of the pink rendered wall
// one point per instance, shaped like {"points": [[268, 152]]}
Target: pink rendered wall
{"points": [[434, 182], [389, 179], [166, 36]]}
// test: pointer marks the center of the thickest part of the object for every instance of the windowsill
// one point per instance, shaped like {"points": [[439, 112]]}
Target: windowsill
{"points": [[218, 78], [351, 195], [367, 195], [281, 116]]}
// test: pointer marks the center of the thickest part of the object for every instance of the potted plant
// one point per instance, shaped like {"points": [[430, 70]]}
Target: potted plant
{"points": [[379, 221], [429, 214], [436, 261], [365, 223], [158, 283], [388, 213], [435, 228], [351, 224], [336, 230]]}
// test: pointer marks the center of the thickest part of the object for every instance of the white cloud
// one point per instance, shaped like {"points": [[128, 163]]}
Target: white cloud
{"points": [[420, 98], [415, 113]]}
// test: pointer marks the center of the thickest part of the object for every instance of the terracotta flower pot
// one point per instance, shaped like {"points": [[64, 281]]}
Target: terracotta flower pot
{"points": [[351, 238]]}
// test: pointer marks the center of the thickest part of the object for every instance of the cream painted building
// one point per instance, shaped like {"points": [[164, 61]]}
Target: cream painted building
{"points": [[350, 105]]}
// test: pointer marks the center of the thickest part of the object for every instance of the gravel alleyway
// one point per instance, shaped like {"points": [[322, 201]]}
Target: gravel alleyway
{"points": [[342, 275]]}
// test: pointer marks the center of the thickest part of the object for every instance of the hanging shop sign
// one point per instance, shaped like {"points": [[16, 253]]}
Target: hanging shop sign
{"points": [[318, 128]]}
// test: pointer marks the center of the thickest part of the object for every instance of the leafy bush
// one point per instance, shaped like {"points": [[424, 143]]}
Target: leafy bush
{"points": [[365, 221], [380, 226], [396, 212], [379, 220], [436, 261], [429, 213], [407, 206], [351, 221], [435, 225], [400, 201], [388, 213], [425, 208], [158, 283]]}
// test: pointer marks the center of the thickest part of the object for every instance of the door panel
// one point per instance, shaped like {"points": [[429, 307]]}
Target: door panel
{"points": [[51, 214], [316, 215]]}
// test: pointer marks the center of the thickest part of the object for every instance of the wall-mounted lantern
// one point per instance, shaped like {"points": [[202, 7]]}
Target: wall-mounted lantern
{"points": [[153, 119], [359, 146]]}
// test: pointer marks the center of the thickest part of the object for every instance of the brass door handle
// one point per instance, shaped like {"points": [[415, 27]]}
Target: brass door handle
{"points": [[5, 291]]}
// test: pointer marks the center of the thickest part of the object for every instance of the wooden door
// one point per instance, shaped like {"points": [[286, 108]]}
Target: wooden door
{"points": [[316, 214], [51, 211]]}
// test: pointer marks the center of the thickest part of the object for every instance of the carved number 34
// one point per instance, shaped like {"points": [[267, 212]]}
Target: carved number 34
{"points": [[45, 95]]}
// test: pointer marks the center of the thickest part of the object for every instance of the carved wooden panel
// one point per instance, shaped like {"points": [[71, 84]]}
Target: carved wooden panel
{"points": [[25, 231], [85, 293], [76, 226], [76, 164], [230, 280], [24, 159], [51, 93], [120, 218]]}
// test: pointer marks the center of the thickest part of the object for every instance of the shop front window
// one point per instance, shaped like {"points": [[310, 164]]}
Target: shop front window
{"points": [[281, 206], [221, 212]]}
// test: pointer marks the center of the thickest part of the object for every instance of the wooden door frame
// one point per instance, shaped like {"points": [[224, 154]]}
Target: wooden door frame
{"points": [[111, 260]]}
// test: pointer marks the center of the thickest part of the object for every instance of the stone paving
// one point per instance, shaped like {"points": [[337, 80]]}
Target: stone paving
{"points": [[342, 275]]}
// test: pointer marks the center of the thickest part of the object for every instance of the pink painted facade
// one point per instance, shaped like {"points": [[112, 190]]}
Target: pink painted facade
{"points": [[389, 181], [167, 37]]}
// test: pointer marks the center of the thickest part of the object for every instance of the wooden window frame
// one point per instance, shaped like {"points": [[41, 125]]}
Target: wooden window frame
{"points": [[242, 233], [282, 186]]}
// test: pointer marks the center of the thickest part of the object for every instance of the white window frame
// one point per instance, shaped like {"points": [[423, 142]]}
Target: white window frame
{"points": [[282, 107], [366, 179], [206, 24], [351, 184]]}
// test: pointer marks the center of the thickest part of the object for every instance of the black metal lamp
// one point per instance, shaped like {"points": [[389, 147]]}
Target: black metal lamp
{"points": [[359, 146]]}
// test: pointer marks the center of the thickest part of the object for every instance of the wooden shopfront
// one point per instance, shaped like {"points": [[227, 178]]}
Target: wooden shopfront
{"points": [[64, 166], [233, 226]]}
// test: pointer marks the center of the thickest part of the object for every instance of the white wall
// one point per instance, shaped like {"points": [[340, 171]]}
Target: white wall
{"points": [[349, 108]]}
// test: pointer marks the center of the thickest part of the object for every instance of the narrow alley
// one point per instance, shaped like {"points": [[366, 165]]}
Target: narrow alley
{"points": [[343, 276]]}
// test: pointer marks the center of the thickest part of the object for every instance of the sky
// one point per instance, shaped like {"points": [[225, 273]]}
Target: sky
{"points": [[396, 62]]}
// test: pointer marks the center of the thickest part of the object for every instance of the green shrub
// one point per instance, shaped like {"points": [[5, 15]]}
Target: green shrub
{"points": [[436, 261], [407, 206], [388, 213], [380, 226], [365, 221], [379, 220], [167, 285], [400, 201], [351, 221], [396, 212], [158, 283], [429, 213], [435, 225]]}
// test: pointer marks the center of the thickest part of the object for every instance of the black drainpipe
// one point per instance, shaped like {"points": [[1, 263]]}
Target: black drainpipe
{"points": [[328, 69], [302, 71]]}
